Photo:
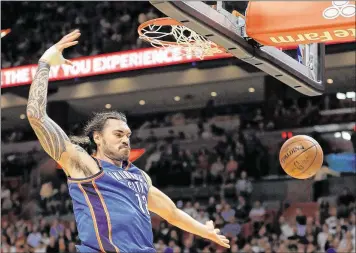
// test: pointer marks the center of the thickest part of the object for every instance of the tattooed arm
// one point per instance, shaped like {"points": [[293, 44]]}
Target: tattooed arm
{"points": [[50, 135], [75, 161]]}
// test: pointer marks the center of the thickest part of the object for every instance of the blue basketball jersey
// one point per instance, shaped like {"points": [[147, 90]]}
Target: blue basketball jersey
{"points": [[111, 211]]}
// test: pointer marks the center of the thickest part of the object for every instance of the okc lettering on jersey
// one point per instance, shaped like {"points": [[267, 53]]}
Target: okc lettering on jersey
{"points": [[135, 182]]}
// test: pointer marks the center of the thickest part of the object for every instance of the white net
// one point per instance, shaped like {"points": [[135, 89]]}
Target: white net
{"points": [[191, 43]]}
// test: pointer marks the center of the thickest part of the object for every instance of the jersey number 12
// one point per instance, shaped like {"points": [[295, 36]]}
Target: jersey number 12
{"points": [[142, 201]]}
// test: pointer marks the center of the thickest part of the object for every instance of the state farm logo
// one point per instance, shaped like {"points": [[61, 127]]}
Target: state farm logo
{"points": [[340, 8]]}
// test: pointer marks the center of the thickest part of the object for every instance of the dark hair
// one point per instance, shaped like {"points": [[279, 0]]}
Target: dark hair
{"points": [[95, 124]]}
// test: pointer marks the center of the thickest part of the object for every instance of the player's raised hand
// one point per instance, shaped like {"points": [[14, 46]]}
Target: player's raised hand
{"points": [[215, 235], [53, 56]]}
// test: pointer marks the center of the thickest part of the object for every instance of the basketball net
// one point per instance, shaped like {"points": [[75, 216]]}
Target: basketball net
{"points": [[159, 33]]}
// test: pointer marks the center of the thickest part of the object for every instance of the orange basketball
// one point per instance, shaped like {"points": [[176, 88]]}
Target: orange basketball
{"points": [[301, 157]]}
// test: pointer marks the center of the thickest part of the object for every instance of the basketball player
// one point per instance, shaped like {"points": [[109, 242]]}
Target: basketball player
{"points": [[112, 198]]}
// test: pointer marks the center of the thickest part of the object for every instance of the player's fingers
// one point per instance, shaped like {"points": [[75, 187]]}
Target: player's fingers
{"points": [[68, 62], [74, 36], [225, 240], [70, 38], [217, 231], [224, 244], [69, 44], [71, 33], [65, 38], [222, 238]]}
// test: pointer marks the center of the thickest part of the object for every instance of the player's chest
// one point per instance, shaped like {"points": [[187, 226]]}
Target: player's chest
{"points": [[130, 182]]}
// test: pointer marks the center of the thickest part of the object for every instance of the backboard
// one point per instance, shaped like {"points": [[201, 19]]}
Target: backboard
{"points": [[230, 31]]}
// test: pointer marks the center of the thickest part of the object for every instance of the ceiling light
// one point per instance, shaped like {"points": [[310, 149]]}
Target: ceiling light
{"points": [[337, 135], [350, 94], [346, 136], [213, 94], [340, 95], [142, 102], [329, 81], [22, 116], [177, 98], [251, 89], [108, 106]]}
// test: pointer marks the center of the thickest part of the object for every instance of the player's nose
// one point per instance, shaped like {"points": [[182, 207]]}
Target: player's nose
{"points": [[126, 143]]}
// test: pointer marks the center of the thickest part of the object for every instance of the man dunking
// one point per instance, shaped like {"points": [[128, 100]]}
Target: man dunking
{"points": [[111, 197]]}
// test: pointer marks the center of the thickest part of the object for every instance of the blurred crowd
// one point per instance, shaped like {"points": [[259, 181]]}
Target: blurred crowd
{"points": [[250, 225], [105, 27]]}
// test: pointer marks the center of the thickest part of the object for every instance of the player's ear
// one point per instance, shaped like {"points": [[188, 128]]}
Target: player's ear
{"points": [[97, 137]]}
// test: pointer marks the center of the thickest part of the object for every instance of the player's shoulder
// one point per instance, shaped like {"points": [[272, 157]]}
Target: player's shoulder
{"points": [[147, 177], [133, 168]]}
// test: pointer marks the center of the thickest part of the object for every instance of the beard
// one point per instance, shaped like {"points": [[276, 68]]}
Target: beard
{"points": [[116, 154]]}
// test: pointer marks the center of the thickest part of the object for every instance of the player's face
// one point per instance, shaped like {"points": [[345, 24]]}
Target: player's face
{"points": [[115, 141]]}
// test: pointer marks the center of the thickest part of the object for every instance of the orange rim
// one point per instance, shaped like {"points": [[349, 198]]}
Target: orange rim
{"points": [[167, 21], [158, 22]]}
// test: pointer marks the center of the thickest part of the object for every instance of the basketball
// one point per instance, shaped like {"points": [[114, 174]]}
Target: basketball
{"points": [[301, 157]]}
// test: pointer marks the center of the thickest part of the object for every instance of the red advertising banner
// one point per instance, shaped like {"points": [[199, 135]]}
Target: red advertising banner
{"points": [[103, 64], [107, 64]]}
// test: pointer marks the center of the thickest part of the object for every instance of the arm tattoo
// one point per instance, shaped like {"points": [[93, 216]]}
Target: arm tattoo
{"points": [[80, 149], [50, 135]]}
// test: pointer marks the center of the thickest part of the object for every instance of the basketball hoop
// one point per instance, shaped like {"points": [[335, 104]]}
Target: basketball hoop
{"points": [[169, 33]]}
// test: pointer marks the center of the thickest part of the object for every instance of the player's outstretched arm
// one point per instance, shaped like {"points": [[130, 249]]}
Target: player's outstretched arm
{"points": [[52, 138], [163, 206]]}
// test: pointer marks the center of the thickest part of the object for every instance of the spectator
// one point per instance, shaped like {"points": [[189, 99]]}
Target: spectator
{"points": [[231, 165], [323, 236], [241, 209], [216, 171], [202, 216], [232, 228], [323, 210], [5, 192], [34, 238], [211, 209], [321, 184], [6, 205], [71, 248], [258, 212], [301, 221], [345, 202], [189, 209], [258, 116], [285, 228], [243, 185], [332, 221], [227, 212], [56, 228], [229, 183], [347, 243], [188, 246]]}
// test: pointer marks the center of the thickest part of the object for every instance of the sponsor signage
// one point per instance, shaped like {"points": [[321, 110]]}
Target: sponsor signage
{"points": [[104, 64]]}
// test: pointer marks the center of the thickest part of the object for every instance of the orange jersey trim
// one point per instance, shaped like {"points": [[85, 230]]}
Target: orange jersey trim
{"points": [[85, 180]]}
